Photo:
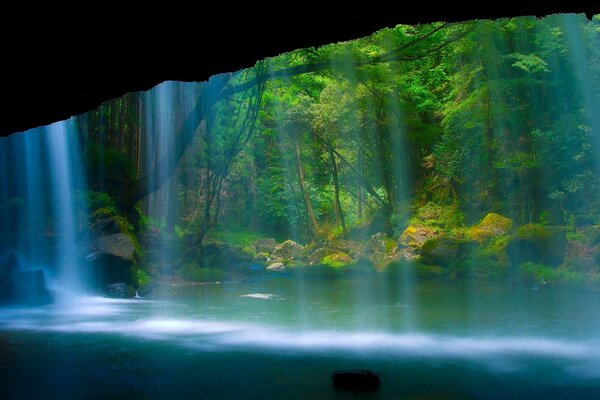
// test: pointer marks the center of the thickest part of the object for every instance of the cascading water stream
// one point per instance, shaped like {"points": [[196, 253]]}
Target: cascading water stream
{"points": [[49, 214]]}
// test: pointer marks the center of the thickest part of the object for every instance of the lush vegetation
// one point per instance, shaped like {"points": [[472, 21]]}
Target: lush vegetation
{"points": [[451, 150]]}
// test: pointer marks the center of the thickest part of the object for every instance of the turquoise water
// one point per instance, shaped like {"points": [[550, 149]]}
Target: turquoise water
{"points": [[282, 338]]}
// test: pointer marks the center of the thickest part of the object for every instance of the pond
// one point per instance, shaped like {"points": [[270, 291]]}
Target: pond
{"points": [[282, 337]]}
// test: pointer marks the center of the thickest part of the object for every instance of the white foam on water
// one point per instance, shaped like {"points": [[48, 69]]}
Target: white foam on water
{"points": [[131, 318], [262, 296]]}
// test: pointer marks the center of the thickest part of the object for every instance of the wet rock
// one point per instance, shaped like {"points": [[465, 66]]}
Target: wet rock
{"points": [[118, 291], [25, 288], [276, 266], [356, 380], [538, 244], [492, 225], [266, 245], [288, 249]]}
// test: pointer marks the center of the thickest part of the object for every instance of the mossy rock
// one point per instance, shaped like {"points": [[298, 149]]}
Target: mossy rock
{"points": [[416, 235], [337, 260], [445, 251], [491, 226], [537, 244], [288, 249]]}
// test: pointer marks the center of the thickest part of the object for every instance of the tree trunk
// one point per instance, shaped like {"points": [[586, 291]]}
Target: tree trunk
{"points": [[312, 220], [339, 212], [359, 192]]}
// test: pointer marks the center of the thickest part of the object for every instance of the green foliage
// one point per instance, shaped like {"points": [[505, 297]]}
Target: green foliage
{"points": [[193, 272], [530, 63], [545, 275], [101, 203], [142, 277], [236, 236]]}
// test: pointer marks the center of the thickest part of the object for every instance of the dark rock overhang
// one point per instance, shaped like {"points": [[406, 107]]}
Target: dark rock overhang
{"points": [[47, 75]]}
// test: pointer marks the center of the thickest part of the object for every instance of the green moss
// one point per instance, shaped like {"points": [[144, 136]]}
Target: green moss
{"points": [[574, 236], [531, 232], [491, 226], [337, 260], [447, 217], [193, 272], [390, 245]]}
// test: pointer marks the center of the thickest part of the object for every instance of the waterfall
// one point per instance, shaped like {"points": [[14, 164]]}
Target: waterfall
{"points": [[43, 208]]}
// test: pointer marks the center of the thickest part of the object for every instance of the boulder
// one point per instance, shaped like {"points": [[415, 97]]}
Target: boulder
{"points": [[117, 245], [118, 291], [111, 252], [316, 256], [538, 244], [444, 251], [492, 225], [288, 249], [337, 259], [416, 236], [276, 266], [266, 245], [107, 226], [376, 243], [25, 288]]}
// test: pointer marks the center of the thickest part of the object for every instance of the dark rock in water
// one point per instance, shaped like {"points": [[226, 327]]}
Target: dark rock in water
{"points": [[539, 244], [118, 291], [111, 255], [25, 288], [358, 380], [266, 245]]}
